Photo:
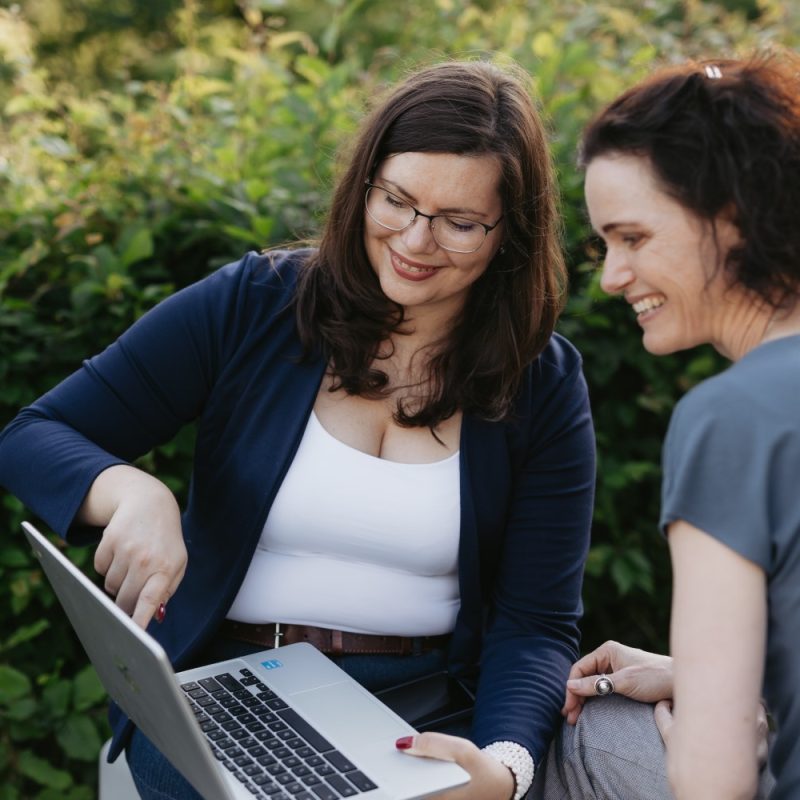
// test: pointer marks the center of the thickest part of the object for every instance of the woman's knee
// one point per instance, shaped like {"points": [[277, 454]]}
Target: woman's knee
{"points": [[621, 728], [613, 752]]}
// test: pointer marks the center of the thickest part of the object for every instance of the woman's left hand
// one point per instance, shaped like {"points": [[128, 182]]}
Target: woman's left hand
{"points": [[489, 779], [664, 719]]}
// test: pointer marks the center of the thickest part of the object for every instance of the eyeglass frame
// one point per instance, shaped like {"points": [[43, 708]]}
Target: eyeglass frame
{"points": [[487, 229]]}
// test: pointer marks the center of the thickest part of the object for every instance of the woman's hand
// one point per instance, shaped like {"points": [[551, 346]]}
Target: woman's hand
{"points": [[646, 677], [489, 779], [663, 715], [142, 553]]}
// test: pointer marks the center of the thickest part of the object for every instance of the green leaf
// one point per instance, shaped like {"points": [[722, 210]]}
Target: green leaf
{"points": [[9, 793], [597, 560], [623, 576], [242, 234], [40, 771], [88, 691], [14, 557], [255, 189], [115, 283], [79, 738], [12, 503], [138, 247], [28, 730], [314, 70], [13, 684], [21, 709], [56, 146], [544, 45], [263, 226], [56, 697], [107, 261], [25, 634], [5, 758], [26, 103]]}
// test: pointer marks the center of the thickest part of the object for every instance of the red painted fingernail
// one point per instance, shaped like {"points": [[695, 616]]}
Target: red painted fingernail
{"points": [[404, 743], [161, 612]]}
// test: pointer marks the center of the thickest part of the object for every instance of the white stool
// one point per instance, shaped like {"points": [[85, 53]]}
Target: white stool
{"points": [[115, 781]]}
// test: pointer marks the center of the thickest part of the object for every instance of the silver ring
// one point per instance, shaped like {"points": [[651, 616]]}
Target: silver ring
{"points": [[604, 686]]}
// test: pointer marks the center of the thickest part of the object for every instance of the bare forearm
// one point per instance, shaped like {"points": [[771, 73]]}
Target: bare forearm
{"points": [[707, 768]]}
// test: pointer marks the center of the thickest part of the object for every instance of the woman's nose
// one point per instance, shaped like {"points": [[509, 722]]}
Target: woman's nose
{"points": [[617, 273], [418, 236]]}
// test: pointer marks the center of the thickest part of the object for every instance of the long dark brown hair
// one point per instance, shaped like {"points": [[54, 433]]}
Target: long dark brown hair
{"points": [[465, 108], [722, 136]]}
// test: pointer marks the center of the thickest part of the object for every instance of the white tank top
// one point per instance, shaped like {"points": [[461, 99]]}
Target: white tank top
{"points": [[357, 543]]}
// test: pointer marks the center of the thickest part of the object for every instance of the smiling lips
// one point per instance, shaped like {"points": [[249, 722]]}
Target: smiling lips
{"points": [[648, 304], [410, 270]]}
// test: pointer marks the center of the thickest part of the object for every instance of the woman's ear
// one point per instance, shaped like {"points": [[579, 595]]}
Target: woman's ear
{"points": [[728, 234], [729, 213]]}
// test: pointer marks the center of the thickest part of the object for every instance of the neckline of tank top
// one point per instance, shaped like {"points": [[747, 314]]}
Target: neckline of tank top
{"points": [[415, 465]]}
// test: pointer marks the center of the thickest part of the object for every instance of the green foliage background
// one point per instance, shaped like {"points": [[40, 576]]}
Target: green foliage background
{"points": [[145, 142]]}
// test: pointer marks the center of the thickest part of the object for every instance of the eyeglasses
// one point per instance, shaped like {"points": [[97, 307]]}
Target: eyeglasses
{"points": [[456, 234]]}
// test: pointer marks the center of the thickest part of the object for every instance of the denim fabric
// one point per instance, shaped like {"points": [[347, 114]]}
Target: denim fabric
{"points": [[157, 779]]}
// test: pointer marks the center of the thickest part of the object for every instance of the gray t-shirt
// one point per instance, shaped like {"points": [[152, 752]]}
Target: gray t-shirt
{"points": [[732, 469]]}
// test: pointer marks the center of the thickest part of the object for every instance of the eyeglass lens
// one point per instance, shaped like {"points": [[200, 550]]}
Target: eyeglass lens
{"points": [[452, 233]]}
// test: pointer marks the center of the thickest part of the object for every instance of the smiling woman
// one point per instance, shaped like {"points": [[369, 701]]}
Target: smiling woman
{"points": [[428, 279], [394, 458], [693, 181], [490, 130], [662, 258]]}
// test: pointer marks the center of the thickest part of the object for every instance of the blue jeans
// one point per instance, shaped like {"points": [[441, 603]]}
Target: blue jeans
{"points": [[157, 779]]}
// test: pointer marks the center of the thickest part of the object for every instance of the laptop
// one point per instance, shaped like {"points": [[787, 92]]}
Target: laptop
{"points": [[282, 724]]}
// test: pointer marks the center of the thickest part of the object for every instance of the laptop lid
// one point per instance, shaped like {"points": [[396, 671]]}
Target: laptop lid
{"points": [[137, 674]]}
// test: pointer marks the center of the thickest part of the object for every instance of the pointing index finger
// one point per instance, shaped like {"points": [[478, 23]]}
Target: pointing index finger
{"points": [[153, 596]]}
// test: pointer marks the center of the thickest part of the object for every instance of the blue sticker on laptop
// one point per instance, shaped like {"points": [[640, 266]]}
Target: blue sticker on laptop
{"points": [[273, 663]]}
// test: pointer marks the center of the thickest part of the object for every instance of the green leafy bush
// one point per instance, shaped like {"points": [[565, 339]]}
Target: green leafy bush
{"points": [[144, 143]]}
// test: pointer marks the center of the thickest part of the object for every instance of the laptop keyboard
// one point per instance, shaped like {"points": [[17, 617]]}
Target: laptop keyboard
{"points": [[267, 746]]}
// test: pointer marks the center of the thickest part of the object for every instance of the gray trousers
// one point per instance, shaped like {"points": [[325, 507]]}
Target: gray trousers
{"points": [[615, 752]]}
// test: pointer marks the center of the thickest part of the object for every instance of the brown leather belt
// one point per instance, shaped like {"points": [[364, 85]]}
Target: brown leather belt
{"points": [[275, 634]]}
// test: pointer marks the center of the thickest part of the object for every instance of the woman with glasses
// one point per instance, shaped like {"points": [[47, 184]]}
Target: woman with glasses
{"points": [[394, 458]]}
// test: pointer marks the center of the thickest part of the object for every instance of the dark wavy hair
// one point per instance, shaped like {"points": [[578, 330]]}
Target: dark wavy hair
{"points": [[722, 136], [465, 108]]}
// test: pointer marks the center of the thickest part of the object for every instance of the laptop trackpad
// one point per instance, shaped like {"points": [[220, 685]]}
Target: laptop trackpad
{"points": [[365, 731], [345, 713]]}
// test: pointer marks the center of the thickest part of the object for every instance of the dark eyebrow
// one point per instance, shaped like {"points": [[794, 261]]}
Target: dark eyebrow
{"points": [[612, 226], [411, 199]]}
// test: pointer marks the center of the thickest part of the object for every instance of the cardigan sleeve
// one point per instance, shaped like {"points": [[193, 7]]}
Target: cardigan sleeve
{"points": [[121, 403], [532, 634]]}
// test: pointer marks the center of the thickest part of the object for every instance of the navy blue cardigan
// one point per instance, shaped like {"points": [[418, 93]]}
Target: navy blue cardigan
{"points": [[224, 354]]}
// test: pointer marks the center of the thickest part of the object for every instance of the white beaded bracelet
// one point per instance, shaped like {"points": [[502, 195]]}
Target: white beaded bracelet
{"points": [[518, 760]]}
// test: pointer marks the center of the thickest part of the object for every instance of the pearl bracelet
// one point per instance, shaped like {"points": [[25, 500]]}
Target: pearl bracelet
{"points": [[518, 760]]}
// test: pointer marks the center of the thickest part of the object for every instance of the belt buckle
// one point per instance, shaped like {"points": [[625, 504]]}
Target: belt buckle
{"points": [[278, 635]]}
